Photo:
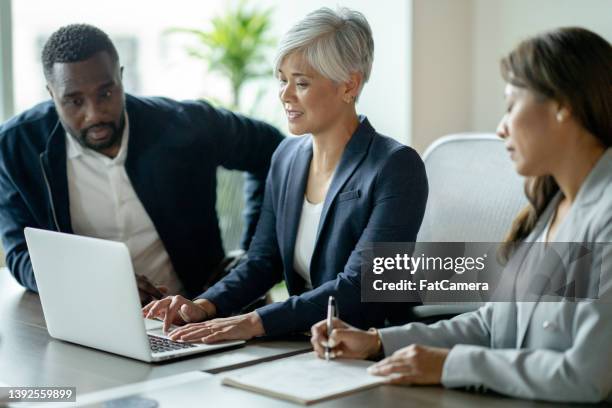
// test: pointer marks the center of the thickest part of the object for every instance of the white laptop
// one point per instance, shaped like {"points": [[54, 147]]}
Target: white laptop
{"points": [[89, 297]]}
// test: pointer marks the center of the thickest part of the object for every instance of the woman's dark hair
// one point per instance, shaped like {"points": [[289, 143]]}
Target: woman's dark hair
{"points": [[574, 67]]}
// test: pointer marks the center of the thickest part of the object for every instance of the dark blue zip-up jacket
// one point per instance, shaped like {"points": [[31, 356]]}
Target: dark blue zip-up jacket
{"points": [[173, 154]]}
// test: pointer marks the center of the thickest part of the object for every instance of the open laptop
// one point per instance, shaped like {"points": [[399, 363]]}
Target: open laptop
{"points": [[89, 297]]}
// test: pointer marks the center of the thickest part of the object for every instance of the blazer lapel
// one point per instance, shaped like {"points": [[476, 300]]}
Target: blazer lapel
{"points": [[590, 192], [139, 157], [354, 153], [525, 310], [294, 200]]}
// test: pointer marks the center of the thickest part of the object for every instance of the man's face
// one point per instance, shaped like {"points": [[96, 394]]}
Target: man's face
{"points": [[89, 99]]}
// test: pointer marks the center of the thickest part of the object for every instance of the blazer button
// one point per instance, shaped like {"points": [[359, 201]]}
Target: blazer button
{"points": [[548, 325]]}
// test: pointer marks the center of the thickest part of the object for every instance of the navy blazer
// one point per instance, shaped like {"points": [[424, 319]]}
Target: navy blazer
{"points": [[173, 154], [378, 194]]}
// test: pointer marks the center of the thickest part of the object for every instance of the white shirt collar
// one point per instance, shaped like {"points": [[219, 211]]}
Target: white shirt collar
{"points": [[75, 150]]}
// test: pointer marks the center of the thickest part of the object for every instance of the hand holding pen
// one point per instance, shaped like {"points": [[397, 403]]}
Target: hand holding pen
{"points": [[344, 341], [331, 314]]}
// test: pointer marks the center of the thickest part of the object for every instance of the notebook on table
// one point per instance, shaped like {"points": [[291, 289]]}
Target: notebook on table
{"points": [[305, 379]]}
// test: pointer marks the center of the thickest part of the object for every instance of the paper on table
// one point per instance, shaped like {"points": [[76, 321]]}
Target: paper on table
{"points": [[3, 394], [304, 378]]}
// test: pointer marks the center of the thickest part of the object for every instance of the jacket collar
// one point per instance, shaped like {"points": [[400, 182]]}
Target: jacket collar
{"points": [[296, 186], [355, 151], [53, 163], [596, 182], [589, 193], [138, 129]]}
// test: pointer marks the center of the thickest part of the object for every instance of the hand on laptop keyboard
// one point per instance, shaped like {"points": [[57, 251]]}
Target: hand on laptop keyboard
{"points": [[179, 310]]}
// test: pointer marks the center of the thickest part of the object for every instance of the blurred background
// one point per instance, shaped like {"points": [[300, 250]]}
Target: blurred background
{"points": [[435, 69]]}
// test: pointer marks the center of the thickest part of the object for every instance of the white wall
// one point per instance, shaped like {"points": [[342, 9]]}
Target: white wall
{"points": [[457, 47], [499, 25], [442, 69]]}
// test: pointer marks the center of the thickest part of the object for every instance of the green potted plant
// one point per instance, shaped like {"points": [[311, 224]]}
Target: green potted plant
{"points": [[235, 46]]}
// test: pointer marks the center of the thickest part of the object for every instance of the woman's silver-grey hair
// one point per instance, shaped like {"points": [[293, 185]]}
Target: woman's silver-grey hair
{"points": [[335, 43]]}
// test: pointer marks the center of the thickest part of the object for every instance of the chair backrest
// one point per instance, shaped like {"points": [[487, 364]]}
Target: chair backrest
{"points": [[230, 207], [474, 194], [474, 191]]}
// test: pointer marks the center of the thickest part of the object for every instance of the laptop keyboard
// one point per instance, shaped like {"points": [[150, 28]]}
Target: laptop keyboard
{"points": [[160, 344]]}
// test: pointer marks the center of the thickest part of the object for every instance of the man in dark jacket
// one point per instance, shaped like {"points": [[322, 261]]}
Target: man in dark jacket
{"points": [[96, 162]]}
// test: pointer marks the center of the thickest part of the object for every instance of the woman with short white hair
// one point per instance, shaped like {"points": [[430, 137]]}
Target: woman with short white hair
{"points": [[330, 193]]}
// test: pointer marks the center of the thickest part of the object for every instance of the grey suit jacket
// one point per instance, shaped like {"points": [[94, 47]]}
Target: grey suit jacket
{"points": [[557, 351]]}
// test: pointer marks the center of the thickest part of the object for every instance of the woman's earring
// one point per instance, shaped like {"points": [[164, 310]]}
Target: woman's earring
{"points": [[560, 117]]}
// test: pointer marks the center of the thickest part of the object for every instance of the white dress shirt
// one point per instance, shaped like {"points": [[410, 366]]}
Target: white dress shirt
{"points": [[306, 239], [103, 204]]}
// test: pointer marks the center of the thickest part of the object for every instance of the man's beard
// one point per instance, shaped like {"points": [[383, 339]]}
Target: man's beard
{"points": [[114, 139]]}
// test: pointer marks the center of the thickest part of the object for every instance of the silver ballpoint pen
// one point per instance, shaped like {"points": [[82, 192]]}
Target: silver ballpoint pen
{"points": [[331, 313]]}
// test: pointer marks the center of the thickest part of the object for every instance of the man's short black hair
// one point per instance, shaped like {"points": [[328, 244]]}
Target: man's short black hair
{"points": [[75, 43]]}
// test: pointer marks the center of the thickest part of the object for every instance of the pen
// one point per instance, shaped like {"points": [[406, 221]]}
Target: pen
{"points": [[331, 312]]}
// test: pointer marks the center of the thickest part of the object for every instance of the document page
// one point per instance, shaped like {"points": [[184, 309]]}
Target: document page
{"points": [[304, 378]]}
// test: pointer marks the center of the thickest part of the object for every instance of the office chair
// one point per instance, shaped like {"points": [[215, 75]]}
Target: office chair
{"points": [[230, 207], [474, 194]]}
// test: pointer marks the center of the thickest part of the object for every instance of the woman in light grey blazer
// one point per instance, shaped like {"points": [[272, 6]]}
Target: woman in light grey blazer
{"points": [[558, 131]]}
